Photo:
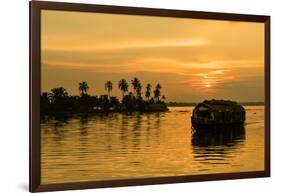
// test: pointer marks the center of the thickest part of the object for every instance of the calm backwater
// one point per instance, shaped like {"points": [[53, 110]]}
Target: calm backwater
{"points": [[122, 146]]}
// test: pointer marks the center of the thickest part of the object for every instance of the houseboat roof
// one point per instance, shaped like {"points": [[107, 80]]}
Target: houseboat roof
{"points": [[222, 105]]}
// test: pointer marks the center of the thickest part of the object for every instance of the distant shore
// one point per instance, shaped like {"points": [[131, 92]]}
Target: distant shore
{"points": [[191, 104]]}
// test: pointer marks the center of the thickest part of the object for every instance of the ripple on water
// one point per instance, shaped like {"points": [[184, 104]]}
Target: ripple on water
{"points": [[121, 146]]}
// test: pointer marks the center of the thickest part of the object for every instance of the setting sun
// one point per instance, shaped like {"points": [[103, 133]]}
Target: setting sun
{"points": [[207, 85]]}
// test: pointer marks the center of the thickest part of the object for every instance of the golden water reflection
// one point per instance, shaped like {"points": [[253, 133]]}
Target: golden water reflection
{"points": [[122, 146]]}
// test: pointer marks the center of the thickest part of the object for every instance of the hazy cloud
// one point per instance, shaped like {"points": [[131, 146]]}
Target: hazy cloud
{"points": [[193, 59]]}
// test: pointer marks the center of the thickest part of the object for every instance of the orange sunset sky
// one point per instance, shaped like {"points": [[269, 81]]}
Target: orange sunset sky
{"points": [[192, 59]]}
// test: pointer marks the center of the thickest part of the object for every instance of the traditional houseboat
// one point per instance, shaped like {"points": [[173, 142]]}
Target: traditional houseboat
{"points": [[217, 114]]}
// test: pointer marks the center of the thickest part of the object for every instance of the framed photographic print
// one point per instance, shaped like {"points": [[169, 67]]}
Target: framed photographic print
{"points": [[123, 96]]}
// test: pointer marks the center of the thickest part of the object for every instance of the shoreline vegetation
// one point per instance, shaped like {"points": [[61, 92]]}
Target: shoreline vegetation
{"points": [[58, 101]]}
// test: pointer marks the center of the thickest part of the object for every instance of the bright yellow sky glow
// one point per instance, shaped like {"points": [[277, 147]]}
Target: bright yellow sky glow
{"points": [[192, 59], [207, 85]]}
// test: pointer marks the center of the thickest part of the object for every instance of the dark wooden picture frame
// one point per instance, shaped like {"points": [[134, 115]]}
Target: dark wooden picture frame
{"points": [[35, 88]]}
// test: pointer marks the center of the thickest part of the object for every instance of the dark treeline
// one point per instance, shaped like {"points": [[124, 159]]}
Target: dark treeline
{"points": [[59, 101], [192, 104]]}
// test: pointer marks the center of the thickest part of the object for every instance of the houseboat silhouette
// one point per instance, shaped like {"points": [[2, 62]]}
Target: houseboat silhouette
{"points": [[217, 114]]}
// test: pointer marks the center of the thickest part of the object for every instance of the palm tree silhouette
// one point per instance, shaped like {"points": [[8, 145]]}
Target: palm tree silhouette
{"points": [[58, 92], [136, 84], [83, 87], [58, 99], [123, 85], [148, 91], [108, 87], [157, 92], [139, 90]]}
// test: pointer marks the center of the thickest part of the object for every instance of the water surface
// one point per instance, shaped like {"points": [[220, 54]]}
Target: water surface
{"points": [[140, 145]]}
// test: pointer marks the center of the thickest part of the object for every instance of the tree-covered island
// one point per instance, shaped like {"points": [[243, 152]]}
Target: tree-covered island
{"points": [[59, 101]]}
